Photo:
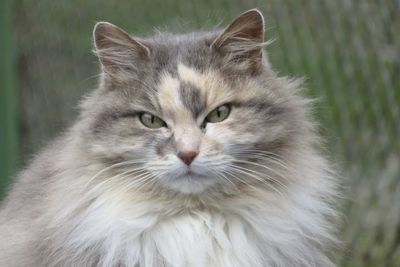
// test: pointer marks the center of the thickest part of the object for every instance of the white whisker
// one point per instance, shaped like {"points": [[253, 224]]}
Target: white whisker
{"points": [[119, 164], [263, 181]]}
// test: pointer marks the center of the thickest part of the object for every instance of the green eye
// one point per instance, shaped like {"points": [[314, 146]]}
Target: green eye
{"points": [[151, 121], [219, 114]]}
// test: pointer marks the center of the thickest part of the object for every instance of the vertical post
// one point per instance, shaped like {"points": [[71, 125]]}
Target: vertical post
{"points": [[8, 97]]}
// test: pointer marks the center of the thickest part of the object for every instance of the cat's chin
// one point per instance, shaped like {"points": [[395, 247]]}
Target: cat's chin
{"points": [[191, 183]]}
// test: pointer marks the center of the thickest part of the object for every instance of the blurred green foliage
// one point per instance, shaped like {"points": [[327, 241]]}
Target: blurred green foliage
{"points": [[8, 120], [348, 50]]}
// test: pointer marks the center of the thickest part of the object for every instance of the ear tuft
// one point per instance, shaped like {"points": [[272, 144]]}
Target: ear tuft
{"points": [[115, 48]]}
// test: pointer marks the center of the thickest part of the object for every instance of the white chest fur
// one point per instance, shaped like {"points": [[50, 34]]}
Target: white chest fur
{"points": [[245, 233]]}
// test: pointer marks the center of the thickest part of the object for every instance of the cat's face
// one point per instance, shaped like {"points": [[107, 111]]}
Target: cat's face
{"points": [[182, 112]]}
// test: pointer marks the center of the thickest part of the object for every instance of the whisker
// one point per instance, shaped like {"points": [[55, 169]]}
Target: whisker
{"points": [[146, 181], [117, 177], [262, 166], [262, 174], [218, 174], [238, 178], [257, 178], [265, 155], [124, 163]]}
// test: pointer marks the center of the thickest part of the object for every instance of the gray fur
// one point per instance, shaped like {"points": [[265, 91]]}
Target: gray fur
{"points": [[192, 99]]}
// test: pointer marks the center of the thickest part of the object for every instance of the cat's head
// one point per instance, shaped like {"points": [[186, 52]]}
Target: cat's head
{"points": [[192, 112]]}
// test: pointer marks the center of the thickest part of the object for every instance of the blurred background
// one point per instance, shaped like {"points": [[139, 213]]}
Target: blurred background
{"points": [[348, 50]]}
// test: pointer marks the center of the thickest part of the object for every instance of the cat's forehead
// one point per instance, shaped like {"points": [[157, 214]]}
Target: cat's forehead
{"points": [[193, 49], [189, 92]]}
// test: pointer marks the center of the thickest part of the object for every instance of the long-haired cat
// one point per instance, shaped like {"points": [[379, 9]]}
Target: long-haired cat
{"points": [[192, 152]]}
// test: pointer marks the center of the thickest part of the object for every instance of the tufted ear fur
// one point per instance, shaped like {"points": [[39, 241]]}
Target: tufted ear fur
{"points": [[116, 50], [243, 39]]}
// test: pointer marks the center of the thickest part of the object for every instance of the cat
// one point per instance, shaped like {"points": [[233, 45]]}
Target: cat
{"points": [[191, 152]]}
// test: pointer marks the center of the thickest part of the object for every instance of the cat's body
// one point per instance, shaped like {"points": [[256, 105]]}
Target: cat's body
{"points": [[231, 175]]}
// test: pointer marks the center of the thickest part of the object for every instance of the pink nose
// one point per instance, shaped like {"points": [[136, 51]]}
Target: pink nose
{"points": [[187, 156]]}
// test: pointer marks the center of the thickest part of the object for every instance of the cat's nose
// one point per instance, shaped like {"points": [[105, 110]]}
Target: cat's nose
{"points": [[187, 156]]}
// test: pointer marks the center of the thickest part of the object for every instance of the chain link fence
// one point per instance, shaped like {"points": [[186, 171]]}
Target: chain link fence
{"points": [[348, 50]]}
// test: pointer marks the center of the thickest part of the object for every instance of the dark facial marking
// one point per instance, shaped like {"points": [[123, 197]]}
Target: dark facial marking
{"points": [[191, 98]]}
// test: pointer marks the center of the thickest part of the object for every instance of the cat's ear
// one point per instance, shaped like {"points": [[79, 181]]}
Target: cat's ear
{"points": [[243, 39], [116, 49]]}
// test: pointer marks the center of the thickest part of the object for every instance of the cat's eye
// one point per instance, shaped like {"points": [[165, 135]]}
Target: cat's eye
{"points": [[151, 121], [219, 114]]}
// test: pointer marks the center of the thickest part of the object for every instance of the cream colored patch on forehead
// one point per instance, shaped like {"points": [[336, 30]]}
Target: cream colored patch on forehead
{"points": [[210, 83], [190, 75], [169, 97]]}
